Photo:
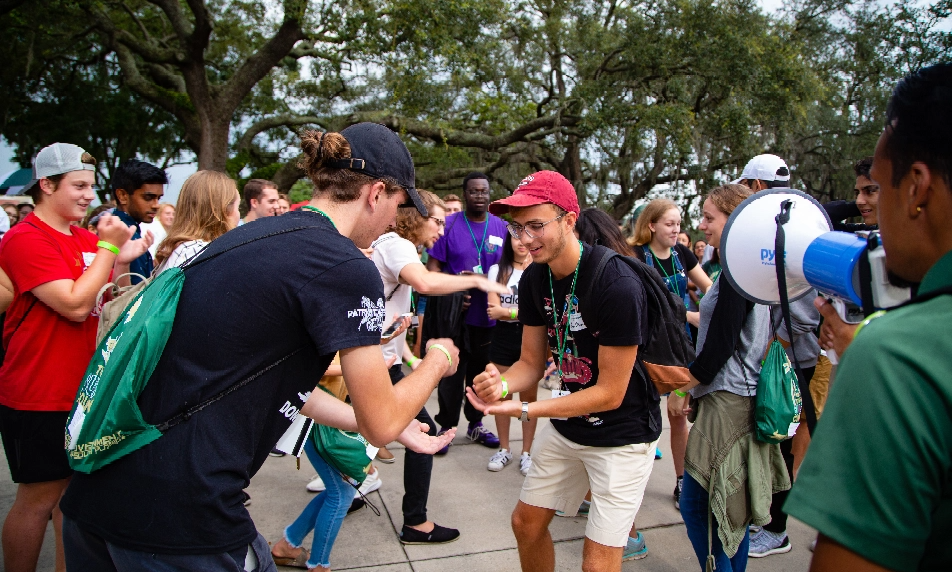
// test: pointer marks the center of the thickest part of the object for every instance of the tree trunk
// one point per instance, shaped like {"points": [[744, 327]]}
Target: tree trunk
{"points": [[213, 152]]}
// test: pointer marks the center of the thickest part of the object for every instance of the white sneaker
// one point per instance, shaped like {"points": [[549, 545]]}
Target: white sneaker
{"points": [[316, 485], [525, 463], [502, 458], [371, 483]]}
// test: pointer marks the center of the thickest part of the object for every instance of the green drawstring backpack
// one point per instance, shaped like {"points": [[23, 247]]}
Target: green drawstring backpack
{"points": [[105, 423]]}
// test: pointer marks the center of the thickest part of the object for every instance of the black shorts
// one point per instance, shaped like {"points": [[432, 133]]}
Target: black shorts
{"points": [[507, 343], [34, 442]]}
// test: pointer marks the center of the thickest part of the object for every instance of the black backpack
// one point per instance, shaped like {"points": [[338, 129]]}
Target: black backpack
{"points": [[668, 350]]}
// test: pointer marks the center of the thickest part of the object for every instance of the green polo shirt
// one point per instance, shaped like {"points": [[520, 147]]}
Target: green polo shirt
{"points": [[878, 475]]}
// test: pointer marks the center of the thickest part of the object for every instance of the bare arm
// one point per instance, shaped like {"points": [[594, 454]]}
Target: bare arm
{"points": [[384, 410], [434, 265], [428, 282], [6, 291], [700, 278], [832, 557], [74, 299]]}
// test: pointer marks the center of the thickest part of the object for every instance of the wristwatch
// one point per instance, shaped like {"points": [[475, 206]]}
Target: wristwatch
{"points": [[525, 412]]}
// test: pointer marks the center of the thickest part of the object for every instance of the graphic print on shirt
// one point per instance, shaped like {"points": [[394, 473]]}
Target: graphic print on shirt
{"points": [[512, 299], [574, 369], [372, 315]]}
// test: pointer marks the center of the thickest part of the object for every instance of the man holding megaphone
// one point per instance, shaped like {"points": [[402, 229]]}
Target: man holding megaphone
{"points": [[876, 482]]}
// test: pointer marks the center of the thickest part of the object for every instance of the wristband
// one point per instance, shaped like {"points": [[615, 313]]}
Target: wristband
{"points": [[505, 388], [411, 361], [108, 246], [444, 350], [512, 313], [680, 393]]}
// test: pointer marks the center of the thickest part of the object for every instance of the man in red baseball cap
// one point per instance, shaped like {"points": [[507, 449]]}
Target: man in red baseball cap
{"points": [[606, 417]]}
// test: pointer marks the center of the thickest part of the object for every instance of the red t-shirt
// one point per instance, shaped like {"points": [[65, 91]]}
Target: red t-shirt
{"points": [[48, 355]]}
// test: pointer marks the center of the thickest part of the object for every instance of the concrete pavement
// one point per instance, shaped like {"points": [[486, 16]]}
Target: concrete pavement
{"points": [[466, 496]]}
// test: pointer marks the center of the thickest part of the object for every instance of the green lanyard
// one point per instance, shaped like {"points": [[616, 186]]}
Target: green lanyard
{"points": [[480, 244], [317, 210], [674, 281], [561, 338]]}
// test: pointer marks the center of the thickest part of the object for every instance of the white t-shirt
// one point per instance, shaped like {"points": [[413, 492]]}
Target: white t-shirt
{"points": [[508, 301], [158, 231], [182, 254], [391, 255]]}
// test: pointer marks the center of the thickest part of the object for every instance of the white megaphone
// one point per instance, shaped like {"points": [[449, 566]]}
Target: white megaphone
{"points": [[815, 256], [747, 244]]}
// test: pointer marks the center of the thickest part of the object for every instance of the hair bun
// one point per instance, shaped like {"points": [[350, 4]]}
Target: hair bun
{"points": [[320, 147]]}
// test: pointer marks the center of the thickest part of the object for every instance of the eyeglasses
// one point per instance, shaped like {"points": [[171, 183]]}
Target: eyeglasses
{"points": [[532, 230], [439, 221]]}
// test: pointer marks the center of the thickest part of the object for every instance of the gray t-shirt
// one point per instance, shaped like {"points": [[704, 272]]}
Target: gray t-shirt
{"points": [[740, 371]]}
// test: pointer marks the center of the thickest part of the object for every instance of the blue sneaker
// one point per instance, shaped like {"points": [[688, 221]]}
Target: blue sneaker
{"points": [[636, 549], [657, 453], [583, 509], [479, 434]]}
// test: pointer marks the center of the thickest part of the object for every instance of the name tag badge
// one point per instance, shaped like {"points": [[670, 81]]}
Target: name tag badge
{"points": [[497, 240], [560, 393], [575, 322], [88, 258], [478, 269]]}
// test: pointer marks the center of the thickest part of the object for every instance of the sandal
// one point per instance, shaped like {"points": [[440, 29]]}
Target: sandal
{"points": [[299, 561]]}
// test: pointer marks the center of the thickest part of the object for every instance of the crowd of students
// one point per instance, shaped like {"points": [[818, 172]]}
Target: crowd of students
{"points": [[554, 291]]}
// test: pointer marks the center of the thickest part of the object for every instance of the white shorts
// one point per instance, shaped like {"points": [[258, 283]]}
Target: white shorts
{"points": [[563, 471]]}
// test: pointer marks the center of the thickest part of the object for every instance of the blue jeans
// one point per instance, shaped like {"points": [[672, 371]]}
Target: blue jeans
{"points": [[324, 514], [694, 509]]}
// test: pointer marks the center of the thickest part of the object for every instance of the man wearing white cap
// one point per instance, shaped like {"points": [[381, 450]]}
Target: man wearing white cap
{"points": [[765, 172], [50, 335]]}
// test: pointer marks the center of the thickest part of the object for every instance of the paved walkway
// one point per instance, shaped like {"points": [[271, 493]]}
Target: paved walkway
{"points": [[466, 496]]}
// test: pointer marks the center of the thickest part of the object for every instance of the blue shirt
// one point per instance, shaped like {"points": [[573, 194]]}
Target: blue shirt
{"points": [[144, 264]]}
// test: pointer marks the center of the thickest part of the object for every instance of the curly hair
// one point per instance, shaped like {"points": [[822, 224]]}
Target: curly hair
{"points": [[409, 220]]}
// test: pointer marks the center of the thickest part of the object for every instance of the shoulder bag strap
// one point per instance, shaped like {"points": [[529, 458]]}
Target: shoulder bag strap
{"points": [[185, 415], [779, 245]]}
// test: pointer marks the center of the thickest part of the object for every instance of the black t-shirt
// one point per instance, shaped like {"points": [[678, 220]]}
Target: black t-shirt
{"points": [[310, 290], [687, 258], [614, 316]]}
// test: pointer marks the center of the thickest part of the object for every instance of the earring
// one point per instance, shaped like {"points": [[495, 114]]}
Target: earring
{"points": [[918, 209]]}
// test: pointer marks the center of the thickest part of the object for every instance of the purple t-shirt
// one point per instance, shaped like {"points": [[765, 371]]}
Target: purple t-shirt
{"points": [[457, 250]]}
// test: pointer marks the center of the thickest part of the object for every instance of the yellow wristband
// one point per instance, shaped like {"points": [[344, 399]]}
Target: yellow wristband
{"points": [[108, 246], [444, 350], [505, 388]]}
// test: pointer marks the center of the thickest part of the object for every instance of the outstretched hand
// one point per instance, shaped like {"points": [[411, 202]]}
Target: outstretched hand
{"points": [[133, 249], [508, 407], [416, 438]]}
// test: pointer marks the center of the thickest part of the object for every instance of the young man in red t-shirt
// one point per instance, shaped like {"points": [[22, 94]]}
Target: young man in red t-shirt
{"points": [[49, 335]]}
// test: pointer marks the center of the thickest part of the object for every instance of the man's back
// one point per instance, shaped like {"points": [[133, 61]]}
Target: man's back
{"points": [[279, 307]]}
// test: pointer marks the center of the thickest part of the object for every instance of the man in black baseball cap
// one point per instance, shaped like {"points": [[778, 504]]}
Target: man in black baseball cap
{"points": [[271, 302]]}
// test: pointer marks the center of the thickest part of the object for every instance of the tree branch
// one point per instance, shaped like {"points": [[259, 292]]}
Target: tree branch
{"points": [[261, 62], [455, 138], [244, 142]]}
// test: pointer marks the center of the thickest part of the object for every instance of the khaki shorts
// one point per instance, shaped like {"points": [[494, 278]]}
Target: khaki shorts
{"points": [[563, 471], [820, 383]]}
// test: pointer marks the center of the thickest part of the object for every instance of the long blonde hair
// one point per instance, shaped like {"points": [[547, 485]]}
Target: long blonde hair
{"points": [[652, 214], [202, 211]]}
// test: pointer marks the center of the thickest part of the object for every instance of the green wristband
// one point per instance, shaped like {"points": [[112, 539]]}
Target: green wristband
{"points": [[108, 246], [444, 350], [505, 388], [411, 361], [512, 314], [680, 393]]}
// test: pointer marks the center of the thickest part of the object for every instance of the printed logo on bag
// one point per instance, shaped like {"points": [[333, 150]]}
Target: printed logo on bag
{"points": [[370, 314], [111, 344]]}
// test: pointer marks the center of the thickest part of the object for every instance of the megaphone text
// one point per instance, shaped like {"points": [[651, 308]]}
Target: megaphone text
{"points": [[767, 256]]}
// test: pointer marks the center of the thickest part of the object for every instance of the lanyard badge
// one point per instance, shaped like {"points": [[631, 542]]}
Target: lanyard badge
{"points": [[562, 324]]}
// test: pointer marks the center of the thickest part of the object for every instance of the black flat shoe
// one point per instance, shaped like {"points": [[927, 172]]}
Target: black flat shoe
{"points": [[439, 535]]}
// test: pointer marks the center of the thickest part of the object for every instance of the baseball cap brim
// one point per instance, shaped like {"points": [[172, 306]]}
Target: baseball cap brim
{"points": [[416, 202], [517, 200]]}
